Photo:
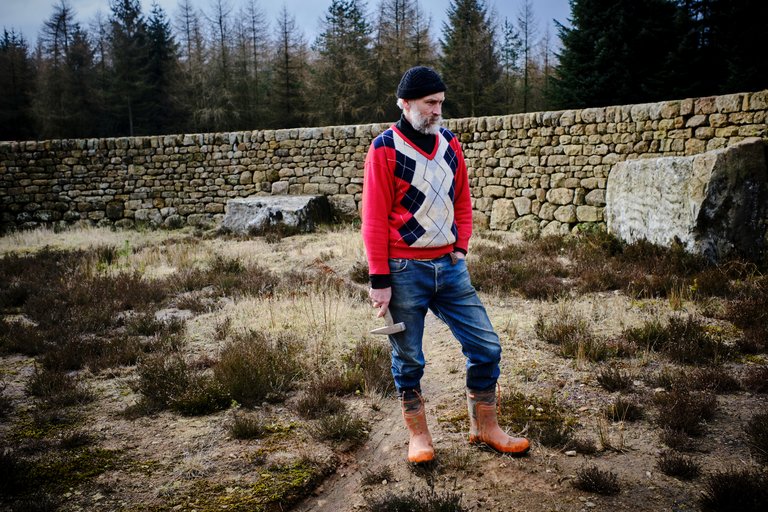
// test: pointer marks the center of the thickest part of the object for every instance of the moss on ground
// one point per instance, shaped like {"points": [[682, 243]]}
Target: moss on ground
{"points": [[277, 488]]}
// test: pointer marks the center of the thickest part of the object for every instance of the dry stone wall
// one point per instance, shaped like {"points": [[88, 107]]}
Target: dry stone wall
{"points": [[542, 171]]}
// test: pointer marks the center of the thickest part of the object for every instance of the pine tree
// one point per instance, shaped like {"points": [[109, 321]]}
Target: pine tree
{"points": [[252, 75], [128, 86], [511, 68], [402, 40], [342, 79], [163, 78], [16, 88], [290, 69], [721, 48], [65, 101], [615, 53], [470, 62], [527, 27]]}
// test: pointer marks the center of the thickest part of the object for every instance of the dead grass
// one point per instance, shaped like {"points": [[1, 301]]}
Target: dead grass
{"points": [[279, 332]]}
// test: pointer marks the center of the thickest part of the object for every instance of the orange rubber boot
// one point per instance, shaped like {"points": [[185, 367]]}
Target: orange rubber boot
{"points": [[484, 426], [420, 444]]}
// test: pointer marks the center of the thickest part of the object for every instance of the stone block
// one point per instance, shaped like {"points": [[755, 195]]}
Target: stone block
{"points": [[566, 214], [503, 214], [255, 215], [522, 205], [343, 207], [714, 203], [560, 196]]}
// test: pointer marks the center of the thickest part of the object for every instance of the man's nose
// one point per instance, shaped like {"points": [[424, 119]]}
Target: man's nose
{"points": [[437, 110]]}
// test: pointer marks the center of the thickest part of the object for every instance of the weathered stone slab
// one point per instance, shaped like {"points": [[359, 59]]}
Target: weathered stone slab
{"points": [[714, 203], [255, 215]]}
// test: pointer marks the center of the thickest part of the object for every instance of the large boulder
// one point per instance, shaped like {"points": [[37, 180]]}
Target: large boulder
{"points": [[714, 203], [259, 214]]}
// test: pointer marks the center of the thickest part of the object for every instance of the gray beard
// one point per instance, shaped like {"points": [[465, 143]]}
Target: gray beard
{"points": [[423, 125]]}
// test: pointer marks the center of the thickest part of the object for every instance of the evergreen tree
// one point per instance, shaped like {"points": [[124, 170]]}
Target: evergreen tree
{"points": [[402, 40], [215, 109], [526, 22], [193, 63], [721, 47], [16, 88], [163, 79], [65, 100], [342, 79], [511, 68], [128, 87], [290, 67], [615, 53], [251, 79], [470, 62]]}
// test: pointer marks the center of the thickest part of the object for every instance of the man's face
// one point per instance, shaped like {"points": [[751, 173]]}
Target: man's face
{"points": [[425, 114]]}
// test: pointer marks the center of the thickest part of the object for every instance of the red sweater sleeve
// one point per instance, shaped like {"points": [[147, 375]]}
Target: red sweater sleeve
{"points": [[378, 198], [462, 202]]}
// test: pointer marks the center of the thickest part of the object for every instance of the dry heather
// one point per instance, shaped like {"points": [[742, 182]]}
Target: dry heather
{"points": [[151, 371]]}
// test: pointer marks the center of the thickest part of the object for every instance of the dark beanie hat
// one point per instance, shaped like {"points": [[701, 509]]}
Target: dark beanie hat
{"points": [[419, 82]]}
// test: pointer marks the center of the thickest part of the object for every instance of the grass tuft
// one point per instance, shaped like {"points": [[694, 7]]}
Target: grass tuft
{"points": [[612, 379], [735, 490], [341, 428], [685, 411], [247, 426], [624, 410], [256, 367], [592, 479], [757, 437], [678, 466], [426, 500]]}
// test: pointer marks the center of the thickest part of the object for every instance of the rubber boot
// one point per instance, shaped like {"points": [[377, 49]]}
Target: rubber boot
{"points": [[420, 448], [484, 426]]}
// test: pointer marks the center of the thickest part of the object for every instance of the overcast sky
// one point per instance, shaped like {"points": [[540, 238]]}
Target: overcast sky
{"points": [[28, 16]]}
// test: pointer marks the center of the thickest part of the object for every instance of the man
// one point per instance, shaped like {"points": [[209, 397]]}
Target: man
{"points": [[417, 221]]}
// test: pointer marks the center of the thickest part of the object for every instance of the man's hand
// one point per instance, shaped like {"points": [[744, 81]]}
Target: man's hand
{"points": [[380, 298]]}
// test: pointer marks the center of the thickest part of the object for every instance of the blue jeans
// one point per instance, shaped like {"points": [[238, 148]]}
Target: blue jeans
{"points": [[446, 290]]}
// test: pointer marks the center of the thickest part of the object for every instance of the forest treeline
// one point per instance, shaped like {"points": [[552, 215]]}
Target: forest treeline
{"points": [[227, 67]]}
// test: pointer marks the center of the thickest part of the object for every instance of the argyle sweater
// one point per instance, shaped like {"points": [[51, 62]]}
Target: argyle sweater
{"points": [[415, 205]]}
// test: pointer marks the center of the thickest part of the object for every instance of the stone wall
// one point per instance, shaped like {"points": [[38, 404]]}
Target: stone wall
{"points": [[543, 171]]}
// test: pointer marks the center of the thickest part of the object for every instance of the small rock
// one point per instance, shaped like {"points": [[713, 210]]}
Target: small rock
{"points": [[589, 504], [570, 453]]}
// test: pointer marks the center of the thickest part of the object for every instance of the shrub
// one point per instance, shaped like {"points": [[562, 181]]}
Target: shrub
{"points": [[426, 500], [757, 436], [562, 328], [688, 341], [612, 378], [651, 334], [677, 440], [374, 361], [314, 402], [755, 379], [359, 272], [168, 381], [592, 479], [255, 366], [247, 426], [57, 388], [341, 428], [623, 410], [735, 490], [717, 380], [683, 410], [678, 466]]}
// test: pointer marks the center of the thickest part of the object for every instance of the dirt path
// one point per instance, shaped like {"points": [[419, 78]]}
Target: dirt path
{"points": [[495, 479]]}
